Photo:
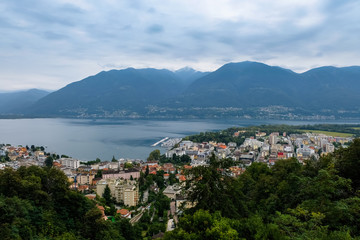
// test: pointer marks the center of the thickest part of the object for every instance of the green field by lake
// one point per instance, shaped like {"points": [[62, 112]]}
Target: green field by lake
{"points": [[333, 134]]}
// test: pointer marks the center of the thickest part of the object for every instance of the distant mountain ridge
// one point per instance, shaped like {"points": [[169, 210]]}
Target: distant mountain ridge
{"points": [[252, 84], [189, 75], [242, 84], [17, 102], [127, 90], [245, 89]]}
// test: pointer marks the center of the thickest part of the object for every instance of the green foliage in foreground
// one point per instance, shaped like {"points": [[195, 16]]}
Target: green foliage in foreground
{"points": [[319, 200], [36, 203]]}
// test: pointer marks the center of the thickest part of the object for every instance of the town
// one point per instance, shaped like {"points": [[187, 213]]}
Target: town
{"points": [[152, 191]]}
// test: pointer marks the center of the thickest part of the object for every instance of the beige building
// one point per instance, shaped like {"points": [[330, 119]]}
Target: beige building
{"points": [[100, 187], [125, 191], [85, 178]]}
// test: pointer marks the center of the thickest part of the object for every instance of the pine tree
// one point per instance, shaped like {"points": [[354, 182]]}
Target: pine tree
{"points": [[107, 195]]}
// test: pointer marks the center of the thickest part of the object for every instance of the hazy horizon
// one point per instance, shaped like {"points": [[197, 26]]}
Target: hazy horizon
{"points": [[53, 90]]}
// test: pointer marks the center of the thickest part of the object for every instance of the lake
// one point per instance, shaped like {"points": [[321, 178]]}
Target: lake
{"points": [[89, 139]]}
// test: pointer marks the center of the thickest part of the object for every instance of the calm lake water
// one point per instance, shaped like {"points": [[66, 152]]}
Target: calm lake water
{"points": [[89, 139]]}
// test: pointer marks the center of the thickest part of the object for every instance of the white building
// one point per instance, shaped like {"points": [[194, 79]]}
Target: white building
{"points": [[186, 144], [70, 163], [329, 148]]}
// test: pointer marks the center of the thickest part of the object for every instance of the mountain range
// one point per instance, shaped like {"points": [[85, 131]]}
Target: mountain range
{"points": [[13, 103], [235, 89]]}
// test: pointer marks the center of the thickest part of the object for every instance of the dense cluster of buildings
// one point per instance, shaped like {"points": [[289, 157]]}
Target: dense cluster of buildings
{"points": [[20, 156], [261, 148], [122, 180]]}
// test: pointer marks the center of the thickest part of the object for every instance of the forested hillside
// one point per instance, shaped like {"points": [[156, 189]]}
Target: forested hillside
{"points": [[244, 89], [36, 203]]}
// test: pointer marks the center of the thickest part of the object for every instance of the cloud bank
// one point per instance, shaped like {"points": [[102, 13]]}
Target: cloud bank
{"points": [[48, 44]]}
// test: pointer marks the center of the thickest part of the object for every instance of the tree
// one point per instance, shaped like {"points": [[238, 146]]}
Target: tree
{"points": [[185, 159], [128, 165], [162, 203], [128, 231], [36, 203], [107, 195], [154, 155], [98, 174], [210, 186], [172, 179], [155, 228], [141, 182], [49, 161], [147, 171], [348, 162], [203, 225], [159, 179], [113, 159]]}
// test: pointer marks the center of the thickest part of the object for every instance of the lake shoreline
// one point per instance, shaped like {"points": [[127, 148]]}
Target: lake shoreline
{"points": [[88, 139]]}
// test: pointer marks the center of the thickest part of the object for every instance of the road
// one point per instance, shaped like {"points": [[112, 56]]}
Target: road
{"points": [[170, 225], [137, 217], [173, 211], [146, 195]]}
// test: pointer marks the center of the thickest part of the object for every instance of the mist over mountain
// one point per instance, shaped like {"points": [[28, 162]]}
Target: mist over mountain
{"points": [[235, 89], [188, 75], [18, 102]]}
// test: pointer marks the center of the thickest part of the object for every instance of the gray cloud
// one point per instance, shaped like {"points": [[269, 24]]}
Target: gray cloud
{"points": [[155, 28], [48, 44], [53, 35]]}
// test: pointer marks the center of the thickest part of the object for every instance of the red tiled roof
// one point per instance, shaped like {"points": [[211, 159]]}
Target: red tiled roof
{"points": [[123, 211], [91, 197], [83, 187]]}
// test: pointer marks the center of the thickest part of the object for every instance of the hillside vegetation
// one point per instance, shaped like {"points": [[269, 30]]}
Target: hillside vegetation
{"points": [[245, 89], [319, 200]]}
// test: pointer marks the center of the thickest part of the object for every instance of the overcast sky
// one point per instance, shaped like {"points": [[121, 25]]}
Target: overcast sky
{"points": [[50, 43]]}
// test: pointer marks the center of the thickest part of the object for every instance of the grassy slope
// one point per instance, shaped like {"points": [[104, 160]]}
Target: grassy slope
{"points": [[334, 134]]}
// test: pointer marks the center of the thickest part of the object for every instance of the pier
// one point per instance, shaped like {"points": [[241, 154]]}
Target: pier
{"points": [[162, 140]]}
